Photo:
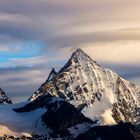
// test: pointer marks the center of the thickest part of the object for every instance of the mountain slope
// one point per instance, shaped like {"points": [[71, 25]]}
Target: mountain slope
{"points": [[40, 91], [121, 131], [99, 93], [49, 116], [4, 98], [60, 116]]}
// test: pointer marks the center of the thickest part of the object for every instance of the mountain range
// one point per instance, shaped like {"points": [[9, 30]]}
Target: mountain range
{"points": [[80, 101], [96, 91]]}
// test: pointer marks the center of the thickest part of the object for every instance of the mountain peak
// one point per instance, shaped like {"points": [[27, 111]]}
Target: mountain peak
{"points": [[97, 92], [4, 98], [81, 57], [78, 52], [52, 74], [77, 56], [53, 70]]}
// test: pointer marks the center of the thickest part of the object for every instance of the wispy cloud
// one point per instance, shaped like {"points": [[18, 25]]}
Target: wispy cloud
{"points": [[117, 52], [108, 30]]}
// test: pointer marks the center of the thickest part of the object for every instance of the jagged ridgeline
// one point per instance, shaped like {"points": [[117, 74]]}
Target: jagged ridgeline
{"points": [[98, 93], [4, 99]]}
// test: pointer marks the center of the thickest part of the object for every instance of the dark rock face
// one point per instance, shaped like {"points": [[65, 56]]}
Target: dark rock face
{"points": [[121, 131], [64, 117], [59, 115], [4, 98]]}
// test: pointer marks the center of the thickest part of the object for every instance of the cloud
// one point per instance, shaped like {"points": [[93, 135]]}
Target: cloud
{"points": [[108, 30], [117, 52], [21, 81], [68, 22]]}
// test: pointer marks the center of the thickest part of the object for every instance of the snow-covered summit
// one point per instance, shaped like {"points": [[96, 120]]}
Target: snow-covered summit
{"points": [[4, 98], [77, 55], [99, 93]]}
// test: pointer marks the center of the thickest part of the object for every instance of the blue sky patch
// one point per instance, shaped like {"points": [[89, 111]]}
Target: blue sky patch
{"points": [[26, 50]]}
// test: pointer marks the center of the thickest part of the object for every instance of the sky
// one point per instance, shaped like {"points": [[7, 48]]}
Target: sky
{"points": [[36, 35]]}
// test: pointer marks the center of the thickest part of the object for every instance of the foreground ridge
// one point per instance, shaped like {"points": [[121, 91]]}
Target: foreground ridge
{"points": [[81, 101]]}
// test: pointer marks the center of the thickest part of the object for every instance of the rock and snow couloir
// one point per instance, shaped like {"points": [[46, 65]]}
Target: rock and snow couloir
{"points": [[99, 93]]}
